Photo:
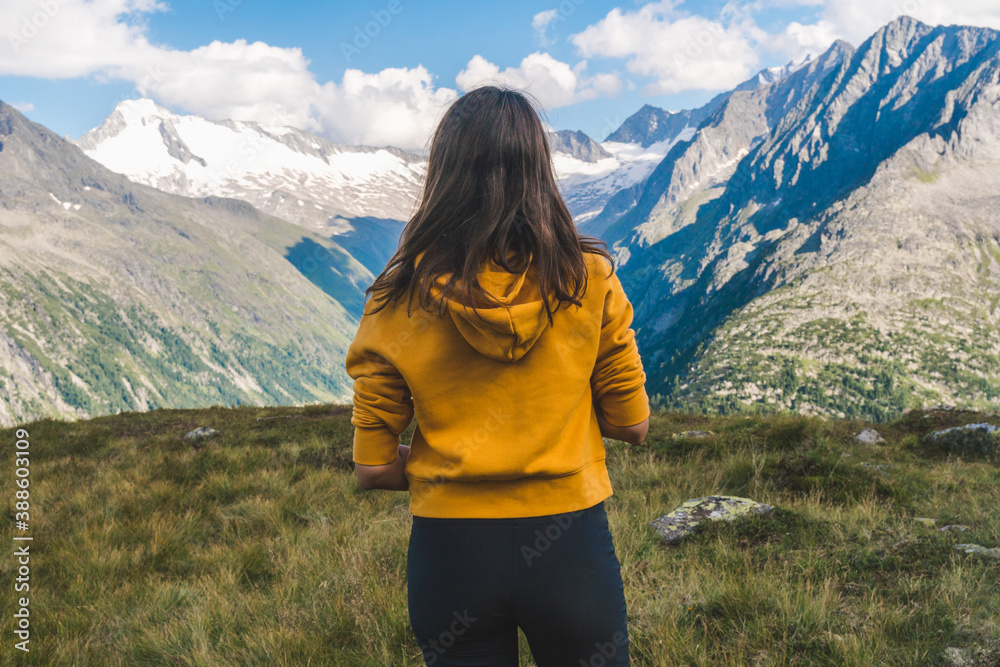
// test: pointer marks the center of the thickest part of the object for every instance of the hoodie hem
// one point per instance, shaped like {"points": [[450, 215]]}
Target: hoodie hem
{"points": [[523, 497]]}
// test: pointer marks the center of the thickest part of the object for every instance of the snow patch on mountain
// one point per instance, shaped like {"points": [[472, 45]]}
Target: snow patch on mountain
{"points": [[587, 186]]}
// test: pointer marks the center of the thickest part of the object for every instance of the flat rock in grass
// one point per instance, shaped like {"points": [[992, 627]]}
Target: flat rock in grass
{"points": [[954, 527], [201, 432], [981, 437], [681, 522], [954, 657], [979, 549], [869, 436], [693, 434]]}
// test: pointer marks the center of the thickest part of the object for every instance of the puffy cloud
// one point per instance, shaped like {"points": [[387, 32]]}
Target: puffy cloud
{"points": [[798, 40], [397, 106], [222, 80], [72, 38], [230, 80], [679, 51], [552, 82], [856, 20]]}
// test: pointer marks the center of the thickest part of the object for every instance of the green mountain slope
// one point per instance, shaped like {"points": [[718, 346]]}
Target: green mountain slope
{"points": [[118, 297]]}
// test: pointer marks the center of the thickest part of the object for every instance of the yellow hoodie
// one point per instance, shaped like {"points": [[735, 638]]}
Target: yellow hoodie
{"points": [[506, 425]]}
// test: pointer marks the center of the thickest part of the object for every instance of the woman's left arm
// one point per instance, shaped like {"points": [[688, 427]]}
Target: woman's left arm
{"points": [[389, 476]]}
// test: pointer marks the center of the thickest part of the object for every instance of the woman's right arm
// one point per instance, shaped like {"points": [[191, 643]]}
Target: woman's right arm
{"points": [[383, 408]]}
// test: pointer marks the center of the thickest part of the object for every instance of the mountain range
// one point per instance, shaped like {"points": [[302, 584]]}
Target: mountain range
{"points": [[359, 195], [830, 243], [823, 238]]}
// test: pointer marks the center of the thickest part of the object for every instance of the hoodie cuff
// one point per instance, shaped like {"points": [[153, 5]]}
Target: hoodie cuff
{"points": [[375, 446], [625, 409]]}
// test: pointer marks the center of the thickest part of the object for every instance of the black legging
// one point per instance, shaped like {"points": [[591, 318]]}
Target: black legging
{"points": [[473, 582]]}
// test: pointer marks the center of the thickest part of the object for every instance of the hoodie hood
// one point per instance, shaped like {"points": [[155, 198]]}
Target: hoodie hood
{"points": [[505, 331]]}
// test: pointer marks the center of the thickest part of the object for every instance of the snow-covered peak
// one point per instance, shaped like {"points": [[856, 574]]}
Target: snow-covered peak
{"points": [[142, 110], [284, 171], [588, 185], [773, 74]]}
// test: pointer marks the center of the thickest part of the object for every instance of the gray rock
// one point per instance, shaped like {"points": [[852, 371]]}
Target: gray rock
{"points": [[201, 432], [693, 434], [982, 437], [954, 527], [674, 526], [979, 549], [989, 428], [577, 144], [954, 657], [869, 436]]}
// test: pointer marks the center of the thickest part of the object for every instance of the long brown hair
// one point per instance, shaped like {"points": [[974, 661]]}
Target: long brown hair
{"points": [[490, 194]]}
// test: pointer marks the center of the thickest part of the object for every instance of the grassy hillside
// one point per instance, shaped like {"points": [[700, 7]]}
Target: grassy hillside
{"points": [[257, 547], [119, 297]]}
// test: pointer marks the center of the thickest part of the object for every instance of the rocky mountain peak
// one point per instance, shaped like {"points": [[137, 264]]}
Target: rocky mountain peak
{"points": [[125, 114], [578, 145]]}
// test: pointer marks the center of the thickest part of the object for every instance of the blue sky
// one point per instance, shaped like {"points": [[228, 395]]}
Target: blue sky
{"points": [[591, 63]]}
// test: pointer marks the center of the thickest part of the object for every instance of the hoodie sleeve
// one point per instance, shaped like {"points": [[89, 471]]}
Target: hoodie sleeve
{"points": [[618, 381], [383, 406]]}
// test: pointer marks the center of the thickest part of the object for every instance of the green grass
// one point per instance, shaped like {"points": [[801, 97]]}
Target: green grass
{"points": [[926, 175], [259, 548]]}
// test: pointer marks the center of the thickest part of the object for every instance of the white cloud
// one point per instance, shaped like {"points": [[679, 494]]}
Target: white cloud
{"points": [[397, 106], [856, 20], [71, 38], [798, 40], [552, 82], [763, 4], [23, 107], [236, 80], [679, 51], [540, 23]]}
